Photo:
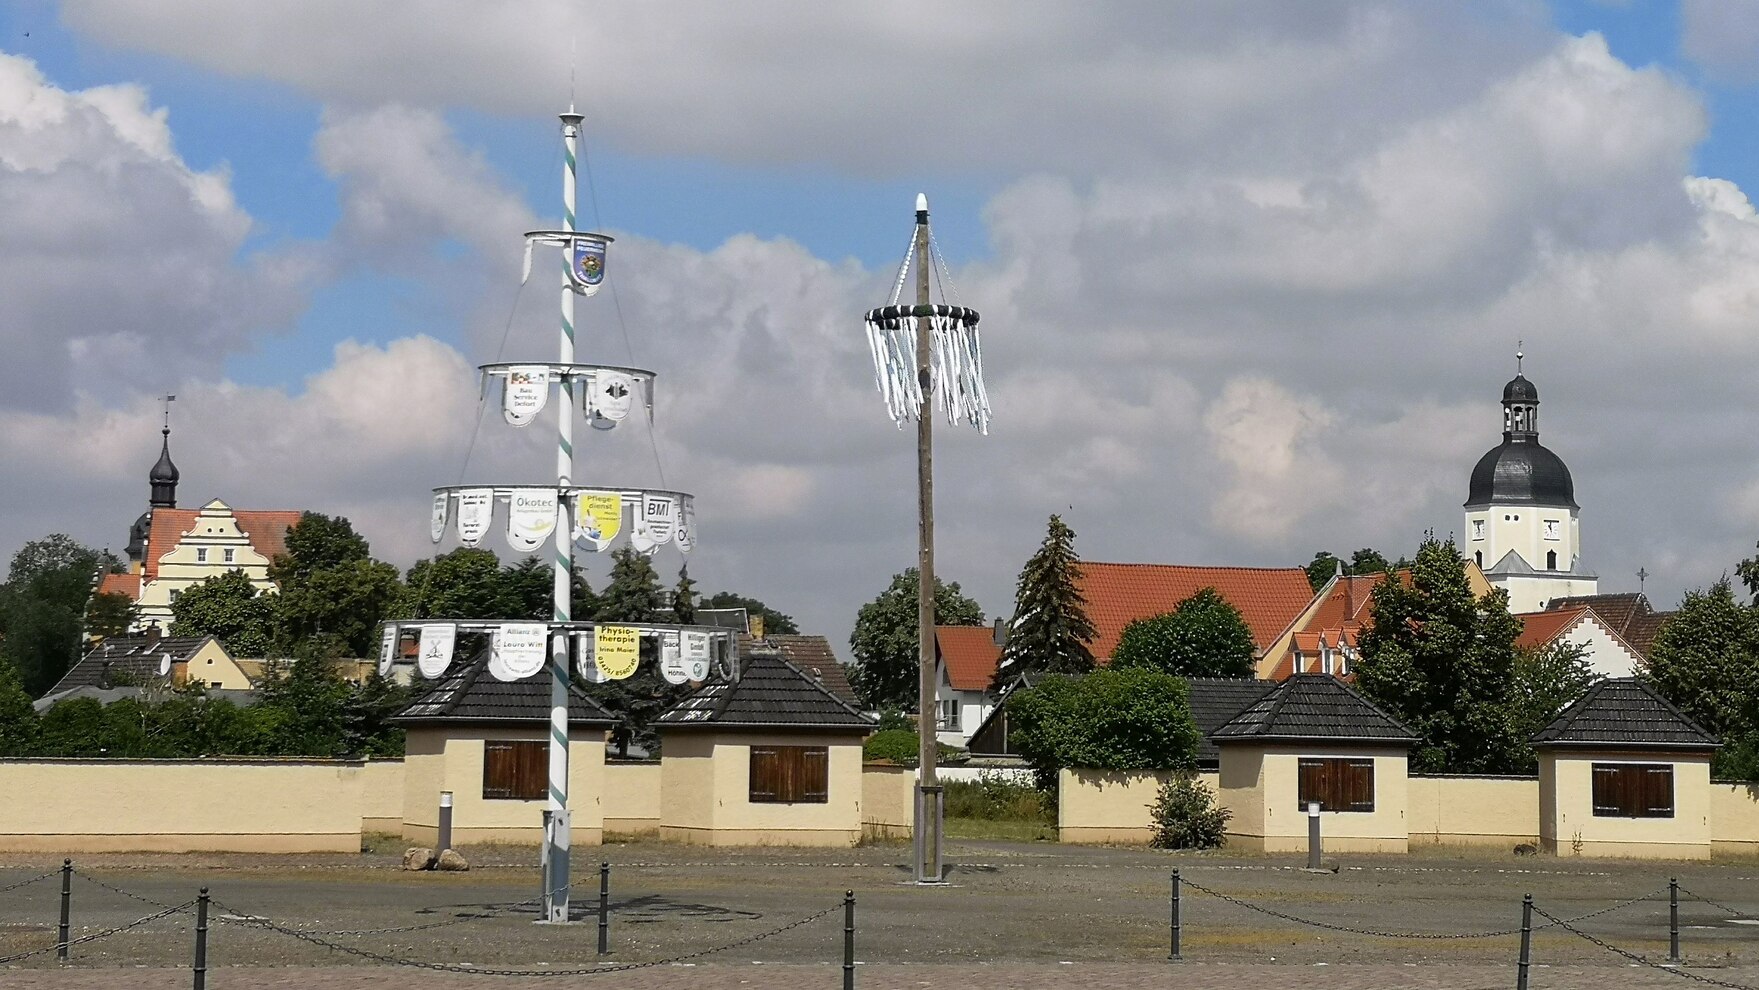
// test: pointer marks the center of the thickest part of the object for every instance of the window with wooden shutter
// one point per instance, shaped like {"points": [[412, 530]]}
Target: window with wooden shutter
{"points": [[1633, 790], [790, 775], [516, 770], [1338, 784]]}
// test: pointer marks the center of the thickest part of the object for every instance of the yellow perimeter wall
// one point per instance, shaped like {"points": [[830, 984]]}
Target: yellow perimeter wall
{"points": [[211, 805], [1110, 807], [888, 794], [1474, 811], [632, 798]]}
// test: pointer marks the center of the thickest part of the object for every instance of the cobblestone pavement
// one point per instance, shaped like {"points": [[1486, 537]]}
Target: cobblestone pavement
{"points": [[1014, 915]]}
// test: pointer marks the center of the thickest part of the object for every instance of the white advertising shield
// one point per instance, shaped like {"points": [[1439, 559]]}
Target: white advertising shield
{"points": [[524, 394], [518, 650], [598, 518], [584, 663], [531, 518], [696, 656], [437, 529], [686, 535], [387, 649], [611, 397], [435, 654], [672, 658], [660, 514], [476, 509], [641, 539]]}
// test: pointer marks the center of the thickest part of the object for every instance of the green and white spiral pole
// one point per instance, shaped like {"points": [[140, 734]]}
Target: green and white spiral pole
{"points": [[556, 883]]}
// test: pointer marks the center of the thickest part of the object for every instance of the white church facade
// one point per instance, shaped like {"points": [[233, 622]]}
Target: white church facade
{"points": [[1522, 525]]}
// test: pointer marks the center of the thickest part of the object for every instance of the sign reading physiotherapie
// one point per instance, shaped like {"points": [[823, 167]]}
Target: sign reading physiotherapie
{"points": [[616, 650]]}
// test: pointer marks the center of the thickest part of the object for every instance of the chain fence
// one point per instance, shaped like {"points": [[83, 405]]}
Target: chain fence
{"points": [[1378, 933], [27, 883], [1717, 904], [93, 937], [1636, 958], [390, 960]]}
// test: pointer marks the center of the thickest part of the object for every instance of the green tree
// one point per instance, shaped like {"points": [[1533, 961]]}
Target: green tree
{"points": [[343, 603], [885, 642], [1364, 561], [229, 608], [18, 720], [633, 592], [74, 727], [305, 710], [1706, 661], [110, 614], [42, 607], [315, 543], [1051, 630], [1105, 720], [465, 583], [684, 599], [1203, 636], [1443, 662], [774, 622], [1547, 680]]}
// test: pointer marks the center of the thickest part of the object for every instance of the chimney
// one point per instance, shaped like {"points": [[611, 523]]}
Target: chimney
{"points": [[1001, 633]]}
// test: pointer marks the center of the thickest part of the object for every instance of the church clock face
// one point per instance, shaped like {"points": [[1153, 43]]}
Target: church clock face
{"points": [[1551, 529]]}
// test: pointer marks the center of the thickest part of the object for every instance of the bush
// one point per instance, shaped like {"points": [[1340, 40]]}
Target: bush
{"points": [[1186, 816], [993, 797], [1106, 720], [897, 745]]}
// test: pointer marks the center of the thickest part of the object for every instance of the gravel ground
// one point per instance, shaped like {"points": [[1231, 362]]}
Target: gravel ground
{"points": [[1080, 916]]}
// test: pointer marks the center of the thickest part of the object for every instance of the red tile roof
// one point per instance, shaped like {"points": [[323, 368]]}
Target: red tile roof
{"points": [[971, 655], [1269, 598], [1540, 628], [267, 530], [120, 584]]}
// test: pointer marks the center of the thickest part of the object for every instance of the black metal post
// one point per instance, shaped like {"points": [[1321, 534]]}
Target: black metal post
{"points": [[849, 940], [604, 909], [66, 908], [1526, 943], [201, 940], [1176, 953], [1673, 919]]}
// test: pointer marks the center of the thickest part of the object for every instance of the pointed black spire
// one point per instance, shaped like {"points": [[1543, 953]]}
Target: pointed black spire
{"points": [[164, 474]]}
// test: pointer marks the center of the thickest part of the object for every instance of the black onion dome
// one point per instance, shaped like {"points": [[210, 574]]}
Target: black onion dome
{"points": [[1521, 473], [1519, 389], [164, 470]]}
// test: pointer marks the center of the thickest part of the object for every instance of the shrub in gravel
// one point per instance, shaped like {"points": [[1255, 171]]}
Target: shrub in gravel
{"points": [[1185, 815]]}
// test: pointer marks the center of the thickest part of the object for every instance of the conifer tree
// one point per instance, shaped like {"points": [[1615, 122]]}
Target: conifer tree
{"points": [[633, 594], [1051, 630], [684, 598]]}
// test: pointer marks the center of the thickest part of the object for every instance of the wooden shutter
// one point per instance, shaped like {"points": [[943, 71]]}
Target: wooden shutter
{"points": [[1633, 790], [1337, 784], [515, 770], [766, 774], [790, 775]]}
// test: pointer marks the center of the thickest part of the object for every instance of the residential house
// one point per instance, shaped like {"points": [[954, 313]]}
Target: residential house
{"points": [[1606, 651], [122, 665], [965, 662], [1326, 637]]}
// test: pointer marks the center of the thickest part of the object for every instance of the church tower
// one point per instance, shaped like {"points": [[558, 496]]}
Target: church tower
{"points": [[1521, 512], [163, 479]]}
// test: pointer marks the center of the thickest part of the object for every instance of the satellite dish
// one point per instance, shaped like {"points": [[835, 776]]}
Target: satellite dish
{"points": [[165, 665]]}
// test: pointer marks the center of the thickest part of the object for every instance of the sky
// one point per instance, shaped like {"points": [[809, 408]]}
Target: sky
{"points": [[1252, 273]]}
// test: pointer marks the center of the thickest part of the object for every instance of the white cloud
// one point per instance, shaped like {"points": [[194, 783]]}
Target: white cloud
{"points": [[1722, 36], [120, 266], [1232, 316]]}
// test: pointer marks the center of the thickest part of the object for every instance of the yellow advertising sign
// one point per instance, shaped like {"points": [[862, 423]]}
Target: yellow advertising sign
{"points": [[598, 517], [616, 650]]}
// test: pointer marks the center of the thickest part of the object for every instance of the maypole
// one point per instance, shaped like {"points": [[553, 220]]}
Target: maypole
{"points": [[557, 828], [922, 352]]}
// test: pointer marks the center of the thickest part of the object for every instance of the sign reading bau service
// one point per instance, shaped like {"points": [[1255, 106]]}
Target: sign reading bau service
{"points": [[616, 650]]}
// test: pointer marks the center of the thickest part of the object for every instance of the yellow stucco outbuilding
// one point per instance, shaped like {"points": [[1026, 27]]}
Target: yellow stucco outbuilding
{"points": [[1624, 773]]}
